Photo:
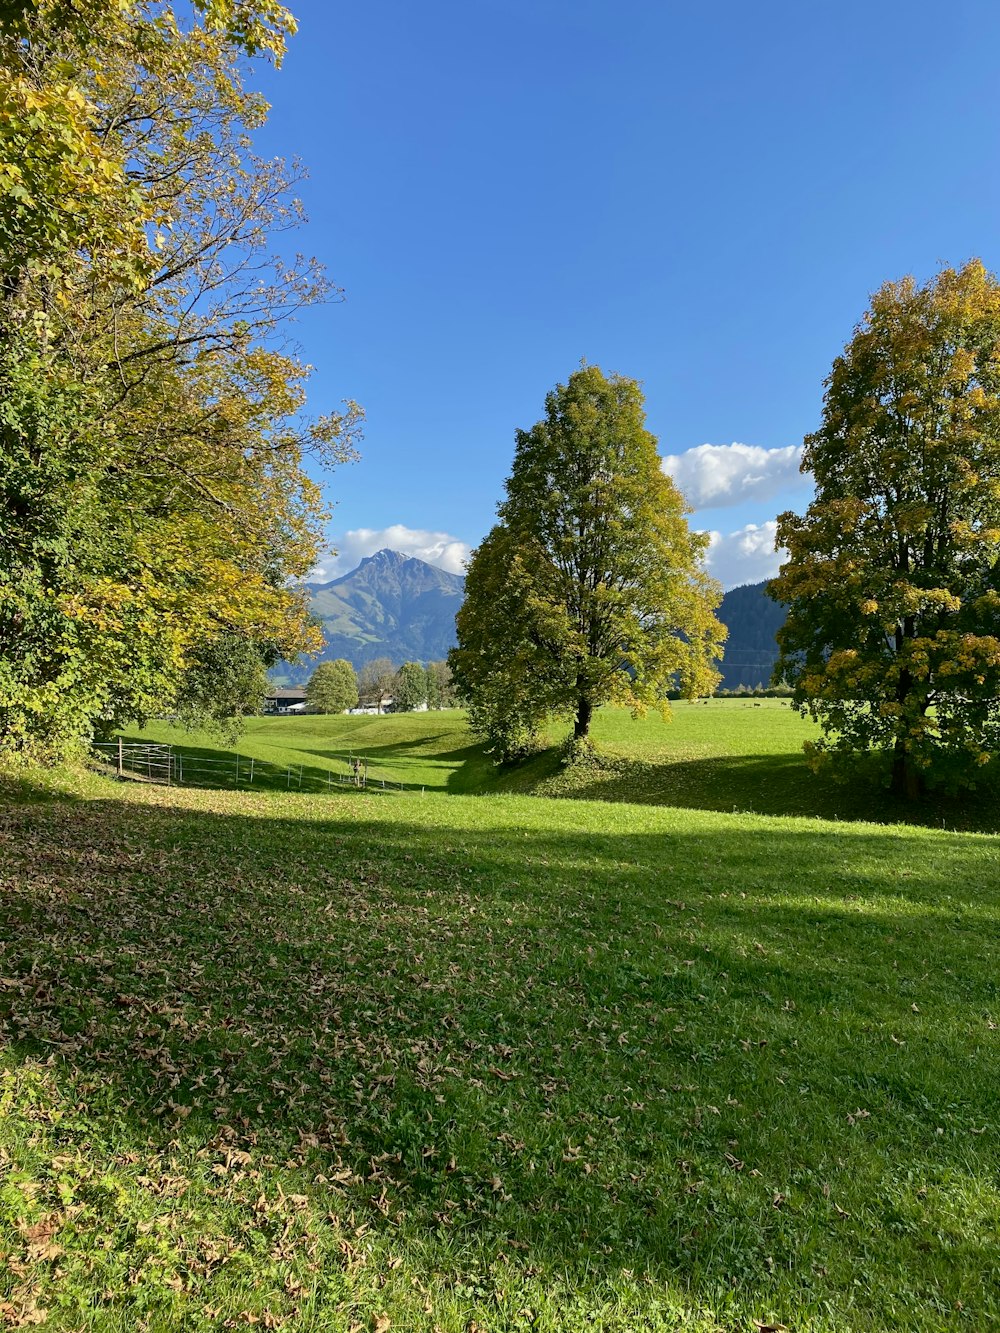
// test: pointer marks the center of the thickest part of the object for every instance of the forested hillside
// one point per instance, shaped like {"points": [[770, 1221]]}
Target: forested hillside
{"points": [[753, 620]]}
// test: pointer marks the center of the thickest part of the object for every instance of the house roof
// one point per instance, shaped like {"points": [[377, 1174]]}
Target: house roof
{"points": [[296, 694]]}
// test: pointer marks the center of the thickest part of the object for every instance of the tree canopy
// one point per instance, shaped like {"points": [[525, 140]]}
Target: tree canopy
{"points": [[152, 493], [892, 639], [589, 590], [225, 681], [333, 687], [440, 686], [409, 688], [376, 681]]}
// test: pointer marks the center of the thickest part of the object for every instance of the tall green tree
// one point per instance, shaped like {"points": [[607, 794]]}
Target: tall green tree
{"points": [[333, 687], [892, 639], [431, 688], [153, 499], [409, 687], [589, 590], [440, 686]]}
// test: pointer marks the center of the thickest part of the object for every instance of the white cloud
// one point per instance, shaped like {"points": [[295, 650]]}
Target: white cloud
{"points": [[745, 556], [437, 548], [713, 475]]}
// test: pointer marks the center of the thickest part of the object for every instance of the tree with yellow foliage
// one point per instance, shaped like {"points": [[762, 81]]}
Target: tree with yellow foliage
{"points": [[892, 640], [153, 499]]}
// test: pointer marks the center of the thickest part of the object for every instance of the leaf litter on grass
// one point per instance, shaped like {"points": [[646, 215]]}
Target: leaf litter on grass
{"points": [[449, 1061]]}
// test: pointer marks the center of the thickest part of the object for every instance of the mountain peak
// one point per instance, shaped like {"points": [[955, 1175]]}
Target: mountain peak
{"points": [[391, 605], [399, 606], [385, 557]]}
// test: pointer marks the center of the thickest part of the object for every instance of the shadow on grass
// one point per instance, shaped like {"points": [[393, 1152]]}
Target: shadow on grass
{"points": [[595, 1051], [780, 784], [463, 769], [390, 763], [221, 769], [768, 784]]}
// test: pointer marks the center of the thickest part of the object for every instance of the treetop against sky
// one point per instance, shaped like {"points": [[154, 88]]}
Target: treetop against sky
{"points": [[699, 197]]}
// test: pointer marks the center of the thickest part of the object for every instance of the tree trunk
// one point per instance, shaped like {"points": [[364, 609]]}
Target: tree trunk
{"points": [[907, 780], [584, 712]]}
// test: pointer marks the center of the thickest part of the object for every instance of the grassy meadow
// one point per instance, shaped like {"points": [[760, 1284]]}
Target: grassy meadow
{"points": [[719, 754], [482, 1058]]}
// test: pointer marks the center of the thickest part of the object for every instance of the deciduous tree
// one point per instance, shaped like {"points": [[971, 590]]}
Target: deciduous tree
{"points": [[892, 640], [375, 682], [589, 590], [224, 682], [333, 687], [152, 495], [409, 687], [440, 686]]}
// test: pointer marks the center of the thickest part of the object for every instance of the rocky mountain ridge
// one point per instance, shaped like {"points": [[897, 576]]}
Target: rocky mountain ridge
{"points": [[392, 605]]}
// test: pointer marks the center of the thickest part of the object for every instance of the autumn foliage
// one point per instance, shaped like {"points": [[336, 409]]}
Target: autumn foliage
{"points": [[152, 490], [893, 633]]}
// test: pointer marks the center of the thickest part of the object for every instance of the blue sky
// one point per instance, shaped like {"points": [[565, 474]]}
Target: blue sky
{"points": [[699, 196]]}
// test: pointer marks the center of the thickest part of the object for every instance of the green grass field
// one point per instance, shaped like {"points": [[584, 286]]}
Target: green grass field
{"points": [[488, 1062], [425, 750], [723, 754]]}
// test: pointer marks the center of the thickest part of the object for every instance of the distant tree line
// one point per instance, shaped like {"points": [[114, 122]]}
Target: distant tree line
{"points": [[781, 691], [335, 687]]}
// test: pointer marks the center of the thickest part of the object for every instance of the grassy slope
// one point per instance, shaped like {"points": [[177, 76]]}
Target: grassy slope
{"points": [[417, 749], [722, 755], [504, 1063]]}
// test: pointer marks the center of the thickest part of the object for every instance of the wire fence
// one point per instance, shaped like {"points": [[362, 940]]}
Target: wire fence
{"points": [[172, 766], [152, 762]]}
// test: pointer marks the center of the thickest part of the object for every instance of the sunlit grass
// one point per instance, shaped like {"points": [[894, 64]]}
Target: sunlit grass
{"points": [[492, 1062], [723, 754]]}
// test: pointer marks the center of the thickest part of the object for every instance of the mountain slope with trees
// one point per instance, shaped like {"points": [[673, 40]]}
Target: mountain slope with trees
{"points": [[753, 621]]}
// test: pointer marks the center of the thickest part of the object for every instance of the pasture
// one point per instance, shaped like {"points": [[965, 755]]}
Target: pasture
{"points": [[721, 754], [471, 1063]]}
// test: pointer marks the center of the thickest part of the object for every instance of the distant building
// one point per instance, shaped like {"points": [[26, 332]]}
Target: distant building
{"points": [[386, 706], [285, 701]]}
